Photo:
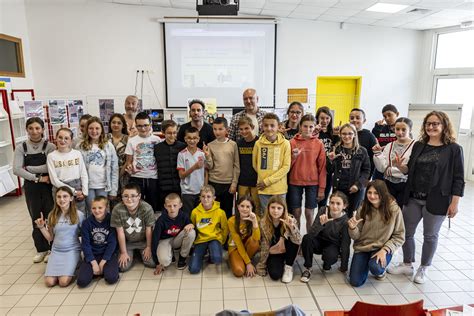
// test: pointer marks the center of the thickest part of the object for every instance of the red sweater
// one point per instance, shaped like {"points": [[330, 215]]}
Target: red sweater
{"points": [[309, 166]]}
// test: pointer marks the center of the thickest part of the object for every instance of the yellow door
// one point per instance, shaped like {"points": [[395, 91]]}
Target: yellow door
{"points": [[340, 94]]}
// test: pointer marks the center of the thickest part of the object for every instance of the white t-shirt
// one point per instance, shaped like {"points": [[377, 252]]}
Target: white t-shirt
{"points": [[193, 183], [144, 163], [95, 159], [253, 117]]}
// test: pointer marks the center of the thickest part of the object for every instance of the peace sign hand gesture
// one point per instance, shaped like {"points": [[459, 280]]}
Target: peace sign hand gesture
{"points": [[332, 155], [353, 221], [398, 161], [324, 219], [40, 222], [205, 149]]}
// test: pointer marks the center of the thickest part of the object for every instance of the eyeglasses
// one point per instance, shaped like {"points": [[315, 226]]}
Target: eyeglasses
{"points": [[347, 134], [143, 126], [131, 197], [433, 124], [296, 112]]}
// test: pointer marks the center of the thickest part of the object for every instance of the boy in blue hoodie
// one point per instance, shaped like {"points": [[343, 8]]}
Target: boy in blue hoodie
{"points": [[99, 242], [173, 230]]}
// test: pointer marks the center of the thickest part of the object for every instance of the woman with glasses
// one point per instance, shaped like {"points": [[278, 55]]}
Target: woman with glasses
{"points": [[290, 127], [434, 187]]}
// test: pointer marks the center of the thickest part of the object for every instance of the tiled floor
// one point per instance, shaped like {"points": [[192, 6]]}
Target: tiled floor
{"points": [[451, 280]]}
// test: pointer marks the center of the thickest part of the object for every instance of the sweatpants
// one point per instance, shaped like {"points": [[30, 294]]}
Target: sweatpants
{"points": [[413, 212], [86, 274], [183, 241], [314, 245], [39, 199]]}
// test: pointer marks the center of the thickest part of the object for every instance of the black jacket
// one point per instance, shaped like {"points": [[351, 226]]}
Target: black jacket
{"points": [[166, 158], [448, 178], [335, 232], [360, 168]]}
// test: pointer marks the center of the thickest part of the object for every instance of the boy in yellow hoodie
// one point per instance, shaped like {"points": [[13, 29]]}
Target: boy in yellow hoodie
{"points": [[212, 229], [271, 160]]}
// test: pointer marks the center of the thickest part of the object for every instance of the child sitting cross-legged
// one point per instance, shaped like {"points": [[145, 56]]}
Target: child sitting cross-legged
{"points": [[173, 230], [212, 230], [99, 242]]}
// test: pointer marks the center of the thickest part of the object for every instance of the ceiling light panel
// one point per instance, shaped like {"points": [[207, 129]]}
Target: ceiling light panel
{"points": [[387, 7]]}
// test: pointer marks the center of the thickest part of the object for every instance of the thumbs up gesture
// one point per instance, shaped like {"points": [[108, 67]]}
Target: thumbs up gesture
{"points": [[353, 221], [40, 222], [323, 219]]}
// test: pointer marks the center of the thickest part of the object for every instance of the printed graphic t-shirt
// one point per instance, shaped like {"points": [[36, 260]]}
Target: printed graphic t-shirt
{"points": [[95, 159], [144, 163]]}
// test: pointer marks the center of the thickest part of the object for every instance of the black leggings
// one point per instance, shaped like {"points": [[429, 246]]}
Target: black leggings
{"points": [[39, 199], [397, 190], [276, 263]]}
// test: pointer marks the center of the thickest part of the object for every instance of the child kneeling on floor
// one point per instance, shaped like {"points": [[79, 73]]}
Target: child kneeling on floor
{"points": [[328, 236], [99, 242], [212, 230], [280, 241], [173, 230]]}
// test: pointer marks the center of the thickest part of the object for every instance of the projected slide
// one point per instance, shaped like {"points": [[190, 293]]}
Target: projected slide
{"points": [[219, 61]]}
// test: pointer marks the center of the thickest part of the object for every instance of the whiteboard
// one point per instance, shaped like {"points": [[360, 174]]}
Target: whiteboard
{"points": [[417, 112]]}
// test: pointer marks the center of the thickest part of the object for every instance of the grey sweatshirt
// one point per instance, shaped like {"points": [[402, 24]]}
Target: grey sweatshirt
{"points": [[30, 172]]}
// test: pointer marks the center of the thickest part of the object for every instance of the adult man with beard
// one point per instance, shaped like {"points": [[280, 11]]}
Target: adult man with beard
{"points": [[196, 112]]}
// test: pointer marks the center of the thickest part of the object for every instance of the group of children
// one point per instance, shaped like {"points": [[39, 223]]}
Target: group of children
{"points": [[192, 190]]}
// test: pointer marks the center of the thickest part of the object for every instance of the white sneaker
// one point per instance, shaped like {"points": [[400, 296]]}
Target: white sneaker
{"points": [[421, 274], [287, 274], [39, 257], [46, 258], [401, 268]]}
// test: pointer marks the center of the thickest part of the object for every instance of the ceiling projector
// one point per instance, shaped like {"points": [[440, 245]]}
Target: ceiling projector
{"points": [[217, 7]]}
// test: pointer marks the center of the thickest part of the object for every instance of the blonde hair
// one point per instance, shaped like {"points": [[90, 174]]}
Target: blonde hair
{"points": [[245, 120], [208, 188], [86, 144], [172, 197], [355, 141], [55, 214], [267, 222]]}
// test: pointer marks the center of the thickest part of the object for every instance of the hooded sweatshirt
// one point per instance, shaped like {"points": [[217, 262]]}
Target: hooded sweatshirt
{"points": [[99, 239], [210, 224], [272, 162], [309, 166]]}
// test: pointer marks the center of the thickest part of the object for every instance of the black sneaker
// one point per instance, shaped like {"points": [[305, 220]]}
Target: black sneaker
{"points": [[326, 267], [305, 276], [181, 263]]}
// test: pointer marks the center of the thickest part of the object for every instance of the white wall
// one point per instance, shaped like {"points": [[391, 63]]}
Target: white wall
{"points": [[13, 22], [96, 48]]}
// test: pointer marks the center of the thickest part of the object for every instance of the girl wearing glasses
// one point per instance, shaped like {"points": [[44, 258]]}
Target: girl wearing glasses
{"points": [[434, 187], [351, 167], [290, 127]]}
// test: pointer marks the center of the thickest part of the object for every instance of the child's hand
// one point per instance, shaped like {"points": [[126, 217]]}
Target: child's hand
{"points": [[123, 259], [282, 129], [251, 218], [323, 219], [381, 122], [336, 129], [129, 169], [353, 189], [353, 222], [199, 164], [205, 149], [317, 129], [101, 265], [332, 155], [287, 222], [250, 270], [381, 257], [188, 228], [146, 253], [80, 195], [44, 179], [279, 247], [233, 189], [95, 267], [261, 185], [398, 161], [158, 269], [40, 222], [321, 195], [295, 152], [377, 148]]}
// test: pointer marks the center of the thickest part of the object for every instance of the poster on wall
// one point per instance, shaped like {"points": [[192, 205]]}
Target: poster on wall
{"points": [[75, 110], [33, 109], [57, 112], [106, 109]]}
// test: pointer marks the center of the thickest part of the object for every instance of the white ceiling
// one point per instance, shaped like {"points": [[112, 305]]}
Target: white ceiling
{"points": [[436, 13]]}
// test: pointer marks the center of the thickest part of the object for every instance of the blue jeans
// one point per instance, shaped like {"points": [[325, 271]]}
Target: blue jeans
{"points": [[93, 193], [215, 252], [362, 263]]}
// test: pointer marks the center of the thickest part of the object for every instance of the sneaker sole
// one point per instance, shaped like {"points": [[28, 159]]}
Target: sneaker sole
{"points": [[181, 268]]}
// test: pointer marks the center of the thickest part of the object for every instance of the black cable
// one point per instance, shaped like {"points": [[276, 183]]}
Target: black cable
{"points": [[136, 82], [141, 93], [153, 87]]}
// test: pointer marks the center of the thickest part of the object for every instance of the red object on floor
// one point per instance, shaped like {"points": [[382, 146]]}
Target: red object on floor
{"points": [[367, 309]]}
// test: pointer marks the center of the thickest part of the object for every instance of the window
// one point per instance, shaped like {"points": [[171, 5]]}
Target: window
{"points": [[455, 50], [457, 90]]}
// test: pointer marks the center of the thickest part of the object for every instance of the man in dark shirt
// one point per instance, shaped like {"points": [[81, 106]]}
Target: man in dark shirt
{"points": [[196, 112]]}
